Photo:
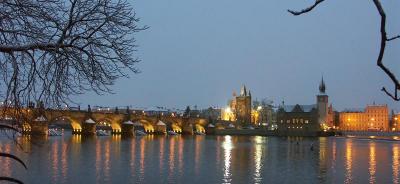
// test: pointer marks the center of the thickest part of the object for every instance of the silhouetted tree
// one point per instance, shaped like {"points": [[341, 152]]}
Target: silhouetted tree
{"points": [[384, 40], [51, 49]]}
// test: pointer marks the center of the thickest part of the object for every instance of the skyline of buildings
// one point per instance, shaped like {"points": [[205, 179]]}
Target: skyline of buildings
{"points": [[302, 119]]}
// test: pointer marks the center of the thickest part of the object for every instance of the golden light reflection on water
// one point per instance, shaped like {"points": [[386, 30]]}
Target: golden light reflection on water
{"points": [[132, 158], [162, 149], [395, 164], [171, 160], [227, 147], [349, 161], [258, 159], [236, 160], [372, 163], [334, 154], [5, 162], [76, 138], [54, 161], [322, 155], [64, 160], [197, 153], [98, 160], [116, 138], [142, 158], [107, 162], [180, 155]]}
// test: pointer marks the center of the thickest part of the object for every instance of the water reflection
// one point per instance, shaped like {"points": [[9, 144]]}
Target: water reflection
{"points": [[333, 161], [64, 160], [5, 162], [372, 162], [227, 149], [171, 159], [349, 161], [161, 158], [132, 156], [180, 156], [142, 158], [258, 159], [98, 160], [54, 161], [107, 162], [323, 141], [205, 159], [197, 153], [395, 165]]}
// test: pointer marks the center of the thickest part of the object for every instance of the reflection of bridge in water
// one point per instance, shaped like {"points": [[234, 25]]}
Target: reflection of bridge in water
{"points": [[37, 120]]}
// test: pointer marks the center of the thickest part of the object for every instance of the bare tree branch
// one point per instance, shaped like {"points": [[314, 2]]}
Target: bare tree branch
{"points": [[13, 157], [394, 97], [384, 40], [9, 179], [53, 49], [308, 9], [393, 38]]}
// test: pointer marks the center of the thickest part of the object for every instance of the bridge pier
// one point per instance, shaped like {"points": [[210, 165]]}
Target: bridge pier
{"points": [[88, 128], [188, 129], [76, 131], [38, 128], [160, 130], [127, 129], [116, 132]]}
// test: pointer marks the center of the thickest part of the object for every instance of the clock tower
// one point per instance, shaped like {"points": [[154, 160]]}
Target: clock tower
{"points": [[322, 103]]}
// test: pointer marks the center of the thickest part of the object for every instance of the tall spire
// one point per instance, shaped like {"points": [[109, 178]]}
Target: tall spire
{"points": [[243, 91], [322, 86]]}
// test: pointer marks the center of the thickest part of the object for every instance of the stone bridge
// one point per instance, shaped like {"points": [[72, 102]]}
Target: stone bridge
{"points": [[36, 121]]}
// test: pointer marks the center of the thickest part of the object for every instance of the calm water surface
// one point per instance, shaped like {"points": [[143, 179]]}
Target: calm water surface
{"points": [[202, 159]]}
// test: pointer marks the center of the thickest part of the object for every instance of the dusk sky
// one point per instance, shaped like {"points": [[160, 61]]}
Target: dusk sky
{"points": [[200, 52]]}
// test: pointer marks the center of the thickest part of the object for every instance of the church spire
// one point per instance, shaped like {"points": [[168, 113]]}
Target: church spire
{"points": [[322, 86], [243, 91]]}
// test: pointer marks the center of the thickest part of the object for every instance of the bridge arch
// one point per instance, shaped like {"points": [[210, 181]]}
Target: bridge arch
{"points": [[148, 124], [75, 123], [108, 122], [173, 125], [199, 128]]}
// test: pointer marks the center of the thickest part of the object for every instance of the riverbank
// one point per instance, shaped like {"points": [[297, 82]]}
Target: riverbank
{"points": [[246, 132], [264, 132]]}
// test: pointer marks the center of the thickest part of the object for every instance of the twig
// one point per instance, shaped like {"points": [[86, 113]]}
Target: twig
{"points": [[295, 13]]}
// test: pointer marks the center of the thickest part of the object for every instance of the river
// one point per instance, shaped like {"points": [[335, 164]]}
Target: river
{"points": [[201, 159]]}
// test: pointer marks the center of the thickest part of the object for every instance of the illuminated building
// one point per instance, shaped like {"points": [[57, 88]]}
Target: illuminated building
{"points": [[306, 119], [227, 114], [396, 122], [372, 118], [239, 108]]}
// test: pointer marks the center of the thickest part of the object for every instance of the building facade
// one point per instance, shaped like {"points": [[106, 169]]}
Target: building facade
{"points": [[395, 118], [372, 118], [304, 120], [239, 108]]}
